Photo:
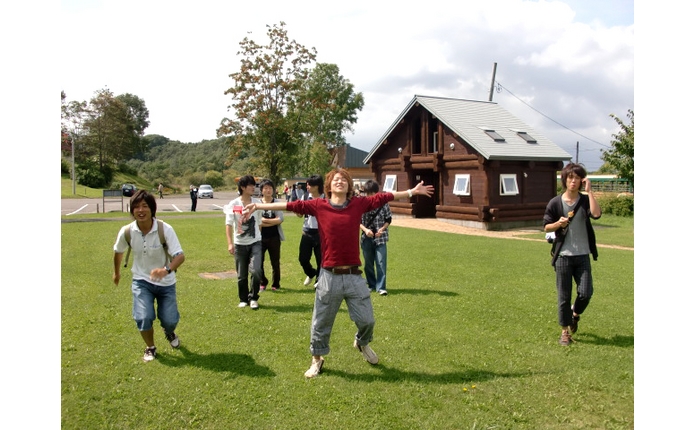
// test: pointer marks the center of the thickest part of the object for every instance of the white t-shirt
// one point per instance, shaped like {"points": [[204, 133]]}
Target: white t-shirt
{"points": [[244, 233], [147, 251]]}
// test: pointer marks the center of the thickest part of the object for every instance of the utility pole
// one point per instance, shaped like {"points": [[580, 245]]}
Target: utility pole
{"points": [[492, 84], [576, 157]]}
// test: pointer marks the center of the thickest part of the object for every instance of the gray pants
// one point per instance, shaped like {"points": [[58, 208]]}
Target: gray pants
{"points": [[331, 290]]}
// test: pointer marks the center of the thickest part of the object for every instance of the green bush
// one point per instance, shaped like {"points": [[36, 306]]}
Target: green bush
{"points": [[617, 204], [64, 167], [91, 175]]}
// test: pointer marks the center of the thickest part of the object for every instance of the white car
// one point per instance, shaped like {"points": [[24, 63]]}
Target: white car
{"points": [[204, 191]]}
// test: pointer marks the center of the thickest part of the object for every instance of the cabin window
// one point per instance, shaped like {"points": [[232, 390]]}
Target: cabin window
{"points": [[390, 183], [508, 185], [527, 137], [462, 185], [494, 135]]}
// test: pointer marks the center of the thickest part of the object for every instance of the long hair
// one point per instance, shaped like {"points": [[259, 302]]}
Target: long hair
{"points": [[139, 196], [344, 173]]}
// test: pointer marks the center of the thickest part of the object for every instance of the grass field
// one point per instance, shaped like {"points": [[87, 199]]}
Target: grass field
{"points": [[467, 339]]}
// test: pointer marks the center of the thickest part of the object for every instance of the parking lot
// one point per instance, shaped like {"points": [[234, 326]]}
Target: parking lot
{"points": [[170, 203]]}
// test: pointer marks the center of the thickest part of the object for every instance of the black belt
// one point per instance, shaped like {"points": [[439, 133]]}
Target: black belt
{"points": [[352, 270]]}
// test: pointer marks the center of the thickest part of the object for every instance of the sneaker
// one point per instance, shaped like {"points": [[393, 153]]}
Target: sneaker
{"points": [[315, 369], [367, 352], [575, 324], [276, 288], [254, 305], [150, 353], [263, 288], [243, 304], [566, 338], [383, 292], [307, 281], [173, 339]]}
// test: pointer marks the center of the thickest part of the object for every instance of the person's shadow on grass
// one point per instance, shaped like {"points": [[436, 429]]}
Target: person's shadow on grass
{"points": [[391, 374], [234, 364], [617, 340]]}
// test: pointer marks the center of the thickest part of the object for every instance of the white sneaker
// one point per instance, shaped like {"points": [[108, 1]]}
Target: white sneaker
{"points": [[150, 354], [307, 281], [243, 304], [254, 305], [367, 352], [315, 369]]}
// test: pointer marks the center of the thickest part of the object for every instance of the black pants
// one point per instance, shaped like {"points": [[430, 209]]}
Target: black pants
{"points": [[308, 244], [194, 202], [272, 245]]}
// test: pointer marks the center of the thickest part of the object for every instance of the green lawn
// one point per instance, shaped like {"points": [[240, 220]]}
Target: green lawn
{"points": [[467, 339]]}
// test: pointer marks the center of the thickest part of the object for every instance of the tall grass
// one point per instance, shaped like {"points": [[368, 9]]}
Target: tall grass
{"points": [[467, 339]]}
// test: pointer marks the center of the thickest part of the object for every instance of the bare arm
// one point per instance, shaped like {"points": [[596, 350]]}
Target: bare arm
{"points": [[117, 260], [418, 190], [594, 206]]}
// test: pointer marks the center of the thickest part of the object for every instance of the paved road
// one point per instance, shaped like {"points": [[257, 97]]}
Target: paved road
{"points": [[170, 203]]}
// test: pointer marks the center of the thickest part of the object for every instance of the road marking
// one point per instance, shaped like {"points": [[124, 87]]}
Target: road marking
{"points": [[71, 213], [174, 206]]}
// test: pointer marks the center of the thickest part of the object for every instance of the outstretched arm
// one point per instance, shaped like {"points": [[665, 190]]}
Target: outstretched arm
{"points": [[418, 190]]}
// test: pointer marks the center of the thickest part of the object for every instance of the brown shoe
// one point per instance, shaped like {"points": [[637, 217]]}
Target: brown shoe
{"points": [[566, 338]]}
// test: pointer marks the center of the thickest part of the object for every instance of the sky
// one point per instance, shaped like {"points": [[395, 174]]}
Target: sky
{"points": [[562, 66]]}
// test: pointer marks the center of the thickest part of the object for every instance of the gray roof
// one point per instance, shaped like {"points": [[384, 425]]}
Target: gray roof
{"points": [[469, 119]]}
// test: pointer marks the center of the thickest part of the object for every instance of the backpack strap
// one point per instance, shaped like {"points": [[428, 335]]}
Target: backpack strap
{"points": [[162, 240]]}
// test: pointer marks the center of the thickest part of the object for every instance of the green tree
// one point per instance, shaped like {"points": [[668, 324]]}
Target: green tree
{"points": [[265, 85], [326, 106], [113, 128], [621, 156]]}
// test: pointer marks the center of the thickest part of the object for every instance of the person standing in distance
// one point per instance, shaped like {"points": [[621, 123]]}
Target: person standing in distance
{"points": [[569, 216], [310, 242], [194, 197], [153, 279], [339, 217], [271, 235], [375, 234]]}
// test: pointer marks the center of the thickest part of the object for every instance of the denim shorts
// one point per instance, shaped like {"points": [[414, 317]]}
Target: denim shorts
{"points": [[144, 296]]}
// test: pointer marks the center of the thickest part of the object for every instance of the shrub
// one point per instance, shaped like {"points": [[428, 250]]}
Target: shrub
{"points": [[91, 175], [619, 205], [64, 166]]}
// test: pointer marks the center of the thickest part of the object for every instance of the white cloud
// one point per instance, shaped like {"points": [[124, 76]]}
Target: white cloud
{"points": [[177, 56]]}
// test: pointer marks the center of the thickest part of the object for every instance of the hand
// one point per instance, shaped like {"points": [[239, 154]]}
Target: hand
{"points": [[423, 190], [158, 274], [116, 278], [587, 184], [564, 222]]}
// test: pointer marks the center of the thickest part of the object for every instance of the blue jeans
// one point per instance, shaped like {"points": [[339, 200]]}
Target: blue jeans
{"points": [[374, 256], [144, 296]]}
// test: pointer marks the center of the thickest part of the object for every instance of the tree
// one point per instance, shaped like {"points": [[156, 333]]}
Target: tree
{"points": [[113, 128], [326, 106], [266, 83], [622, 153]]}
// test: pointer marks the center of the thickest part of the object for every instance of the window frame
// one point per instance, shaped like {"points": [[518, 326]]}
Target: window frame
{"points": [[467, 188], [393, 179], [503, 186]]}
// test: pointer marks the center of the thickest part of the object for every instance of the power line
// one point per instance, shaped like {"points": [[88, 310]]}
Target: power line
{"points": [[561, 125]]}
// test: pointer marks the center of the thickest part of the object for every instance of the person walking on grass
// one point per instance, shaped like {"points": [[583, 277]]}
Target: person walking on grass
{"points": [[310, 242], [375, 234], [153, 278], [569, 216], [339, 217], [271, 235], [244, 242]]}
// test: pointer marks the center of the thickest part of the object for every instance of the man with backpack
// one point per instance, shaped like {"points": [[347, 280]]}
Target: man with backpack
{"points": [[157, 254]]}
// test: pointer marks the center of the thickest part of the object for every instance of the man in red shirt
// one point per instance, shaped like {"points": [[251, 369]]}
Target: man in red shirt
{"points": [[339, 217]]}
